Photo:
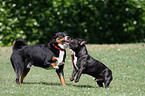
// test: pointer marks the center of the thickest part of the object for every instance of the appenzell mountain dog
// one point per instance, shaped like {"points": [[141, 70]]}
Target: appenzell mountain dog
{"points": [[48, 56], [85, 64]]}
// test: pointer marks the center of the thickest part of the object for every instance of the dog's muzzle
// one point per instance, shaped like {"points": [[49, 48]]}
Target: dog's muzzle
{"points": [[65, 43]]}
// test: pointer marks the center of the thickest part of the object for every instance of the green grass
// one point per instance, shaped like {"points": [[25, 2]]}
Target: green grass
{"points": [[127, 61]]}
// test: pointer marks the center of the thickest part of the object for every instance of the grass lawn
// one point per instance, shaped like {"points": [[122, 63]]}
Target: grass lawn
{"points": [[127, 61]]}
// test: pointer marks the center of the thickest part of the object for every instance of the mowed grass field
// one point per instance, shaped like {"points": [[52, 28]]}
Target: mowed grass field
{"points": [[127, 62]]}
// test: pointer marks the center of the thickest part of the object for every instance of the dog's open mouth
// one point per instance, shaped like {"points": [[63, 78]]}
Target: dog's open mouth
{"points": [[65, 42]]}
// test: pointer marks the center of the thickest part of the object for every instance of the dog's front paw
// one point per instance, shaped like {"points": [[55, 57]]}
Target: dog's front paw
{"points": [[71, 79]]}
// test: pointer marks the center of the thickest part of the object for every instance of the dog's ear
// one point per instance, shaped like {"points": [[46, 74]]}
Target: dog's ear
{"points": [[83, 42]]}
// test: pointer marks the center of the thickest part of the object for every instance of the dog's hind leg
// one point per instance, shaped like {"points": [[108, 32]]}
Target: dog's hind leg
{"points": [[108, 81], [19, 73], [25, 72], [26, 69], [108, 78]]}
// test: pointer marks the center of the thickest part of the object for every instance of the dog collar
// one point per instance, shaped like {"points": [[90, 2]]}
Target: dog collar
{"points": [[57, 47]]}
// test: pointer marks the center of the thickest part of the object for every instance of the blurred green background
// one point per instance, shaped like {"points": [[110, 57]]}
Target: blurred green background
{"points": [[99, 21]]}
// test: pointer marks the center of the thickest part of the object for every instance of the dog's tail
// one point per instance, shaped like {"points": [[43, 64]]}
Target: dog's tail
{"points": [[18, 44]]}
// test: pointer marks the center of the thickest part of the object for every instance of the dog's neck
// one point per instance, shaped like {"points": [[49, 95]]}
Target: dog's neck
{"points": [[81, 51]]}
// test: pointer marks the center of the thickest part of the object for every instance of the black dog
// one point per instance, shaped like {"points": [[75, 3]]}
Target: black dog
{"points": [[85, 64], [48, 55]]}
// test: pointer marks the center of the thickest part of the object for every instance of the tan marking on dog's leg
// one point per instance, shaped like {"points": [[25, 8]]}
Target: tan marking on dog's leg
{"points": [[62, 80], [20, 79]]}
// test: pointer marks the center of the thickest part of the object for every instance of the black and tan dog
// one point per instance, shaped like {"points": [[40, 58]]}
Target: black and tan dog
{"points": [[85, 64], [48, 55]]}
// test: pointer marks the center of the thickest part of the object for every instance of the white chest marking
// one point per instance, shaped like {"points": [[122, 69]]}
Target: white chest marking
{"points": [[75, 61], [60, 58]]}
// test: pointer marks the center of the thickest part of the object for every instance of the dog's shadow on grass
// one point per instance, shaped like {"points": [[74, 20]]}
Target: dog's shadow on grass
{"points": [[83, 86], [43, 83], [59, 84]]}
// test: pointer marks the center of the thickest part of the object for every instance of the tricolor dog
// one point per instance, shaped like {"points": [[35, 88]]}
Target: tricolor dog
{"points": [[50, 55], [85, 64]]}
